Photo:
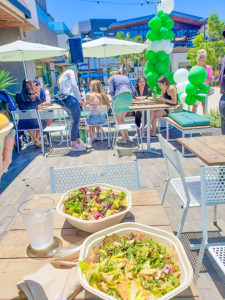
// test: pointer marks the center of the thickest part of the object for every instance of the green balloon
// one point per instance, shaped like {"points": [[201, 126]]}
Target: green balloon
{"points": [[149, 67], [161, 56], [160, 67], [155, 23], [204, 87], [163, 33], [148, 35], [159, 91], [146, 70], [200, 98], [149, 55], [191, 89], [171, 35], [202, 92], [169, 23], [164, 17], [167, 68], [152, 77], [171, 78], [166, 74], [197, 75], [153, 35], [160, 13], [190, 100], [167, 61]]}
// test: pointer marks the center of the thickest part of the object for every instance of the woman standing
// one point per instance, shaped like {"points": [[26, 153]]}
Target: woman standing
{"points": [[168, 96], [141, 89], [201, 59], [121, 88], [27, 100], [68, 87]]}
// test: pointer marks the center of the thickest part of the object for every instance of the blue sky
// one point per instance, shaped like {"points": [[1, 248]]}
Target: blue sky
{"points": [[72, 11]]}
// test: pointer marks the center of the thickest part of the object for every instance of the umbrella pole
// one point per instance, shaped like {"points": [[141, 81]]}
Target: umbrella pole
{"points": [[25, 69], [89, 71]]}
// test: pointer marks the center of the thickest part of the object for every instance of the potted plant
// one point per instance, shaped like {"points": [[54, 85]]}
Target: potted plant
{"points": [[215, 118], [6, 80]]}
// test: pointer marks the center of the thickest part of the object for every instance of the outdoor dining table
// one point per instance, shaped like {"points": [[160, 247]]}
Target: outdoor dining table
{"points": [[14, 262], [151, 106], [210, 149]]}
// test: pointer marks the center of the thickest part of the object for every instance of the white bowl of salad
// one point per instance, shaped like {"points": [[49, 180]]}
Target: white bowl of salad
{"points": [[131, 261], [94, 207]]}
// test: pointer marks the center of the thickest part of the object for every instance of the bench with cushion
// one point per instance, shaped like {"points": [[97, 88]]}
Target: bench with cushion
{"points": [[188, 123]]}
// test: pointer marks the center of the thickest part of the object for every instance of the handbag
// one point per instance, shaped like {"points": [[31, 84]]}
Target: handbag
{"points": [[61, 96]]}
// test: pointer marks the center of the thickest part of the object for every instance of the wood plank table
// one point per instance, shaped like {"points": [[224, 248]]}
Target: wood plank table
{"points": [[210, 149], [14, 263], [148, 108]]}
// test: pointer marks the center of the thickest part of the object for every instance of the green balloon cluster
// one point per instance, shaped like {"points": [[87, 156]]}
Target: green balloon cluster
{"points": [[161, 26], [196, 89]]}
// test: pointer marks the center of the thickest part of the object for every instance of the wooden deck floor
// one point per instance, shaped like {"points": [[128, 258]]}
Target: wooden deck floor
{"points": [[29, 174]]}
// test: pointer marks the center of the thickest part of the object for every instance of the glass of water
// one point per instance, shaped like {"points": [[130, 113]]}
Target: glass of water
{"points": [[37, 215]]}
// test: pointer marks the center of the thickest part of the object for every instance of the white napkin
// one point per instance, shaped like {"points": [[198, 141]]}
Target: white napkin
{"points": [[54, 281]]}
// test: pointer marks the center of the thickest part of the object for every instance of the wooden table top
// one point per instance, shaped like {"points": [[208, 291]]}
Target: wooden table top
{"points": [[14, 263], [52, 106], [210, 149], [152, 106]]}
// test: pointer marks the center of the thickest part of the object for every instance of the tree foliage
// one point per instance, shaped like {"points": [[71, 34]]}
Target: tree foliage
{"points": [[213, 44]]}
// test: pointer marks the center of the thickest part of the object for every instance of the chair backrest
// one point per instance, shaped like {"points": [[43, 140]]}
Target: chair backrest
{"points": [[170, 154], [95, 115], [123, 174], [31, 114], [46, 114], [213, 185]]}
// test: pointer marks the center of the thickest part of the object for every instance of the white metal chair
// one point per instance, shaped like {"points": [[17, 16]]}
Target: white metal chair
{"points": [[212, 193], [207, 189], [48, 114], [130, 126], [97, 116], [21, 115], [64, 179]]}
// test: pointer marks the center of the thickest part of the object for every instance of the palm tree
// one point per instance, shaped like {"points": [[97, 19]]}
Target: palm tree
{"points": [[124, 59], [6, 80]]}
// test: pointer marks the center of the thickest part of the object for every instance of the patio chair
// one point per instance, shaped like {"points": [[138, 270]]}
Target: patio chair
{"points": [[97, 116], [20, 115], [212, 193], [48, 114], [130, 126], [123, 174]]}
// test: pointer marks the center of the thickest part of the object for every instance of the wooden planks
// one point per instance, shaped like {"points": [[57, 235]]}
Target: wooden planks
{"points": [[153, 106], [210, 149]]}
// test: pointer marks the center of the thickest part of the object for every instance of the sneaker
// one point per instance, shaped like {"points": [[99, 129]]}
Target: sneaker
{"points": [[120, 141], [78, 147], [89, 141]]}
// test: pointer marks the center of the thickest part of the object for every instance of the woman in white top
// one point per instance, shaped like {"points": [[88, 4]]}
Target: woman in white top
{"points": [[68, 87]]}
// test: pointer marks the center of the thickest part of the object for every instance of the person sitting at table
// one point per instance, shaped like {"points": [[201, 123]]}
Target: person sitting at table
{"points": [[141, 89], [168, 96], [96, 97], [121, 88], [27, 100], [44, 96]]}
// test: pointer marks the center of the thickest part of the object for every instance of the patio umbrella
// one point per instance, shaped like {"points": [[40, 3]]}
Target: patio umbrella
{"points": [[108, 47], [93, 75], [25, 51]]}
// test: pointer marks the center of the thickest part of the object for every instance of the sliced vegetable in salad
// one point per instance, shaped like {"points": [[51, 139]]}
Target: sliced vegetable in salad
{"points": [[131, 267], [94, 203]]}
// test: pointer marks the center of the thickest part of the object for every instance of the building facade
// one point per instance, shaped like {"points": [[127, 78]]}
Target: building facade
{"points": [[29, 20]]}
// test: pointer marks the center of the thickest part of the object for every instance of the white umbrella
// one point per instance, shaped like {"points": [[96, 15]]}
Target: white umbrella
{"points": [[108, 47], [25, 51]]}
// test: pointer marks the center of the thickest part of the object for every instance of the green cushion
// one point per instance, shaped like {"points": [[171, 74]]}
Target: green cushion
{"points": [[188, 119]]}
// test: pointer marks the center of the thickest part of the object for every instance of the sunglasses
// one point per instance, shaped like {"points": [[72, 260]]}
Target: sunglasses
{"points": [[37, 84]]}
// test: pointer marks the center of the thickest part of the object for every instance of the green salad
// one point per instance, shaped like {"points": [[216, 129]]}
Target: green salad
{"points": [[131, 267], [93, 203]]}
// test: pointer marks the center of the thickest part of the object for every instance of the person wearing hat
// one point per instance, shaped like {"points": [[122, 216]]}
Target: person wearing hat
{"points": [[222, 91], [67, 85]]}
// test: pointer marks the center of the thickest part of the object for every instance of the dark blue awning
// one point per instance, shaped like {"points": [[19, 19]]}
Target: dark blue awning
{"points": [[21, 7]]}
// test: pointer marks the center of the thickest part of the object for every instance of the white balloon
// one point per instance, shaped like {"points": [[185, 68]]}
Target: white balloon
{"points": [[169, 49], [187, 82], [149, 45], [183, 97], [180, 75], [166, 5], [163, 45], [180, 87]]}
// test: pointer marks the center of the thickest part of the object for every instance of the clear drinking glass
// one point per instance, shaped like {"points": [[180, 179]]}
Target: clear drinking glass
{"points": [[37, 214]]}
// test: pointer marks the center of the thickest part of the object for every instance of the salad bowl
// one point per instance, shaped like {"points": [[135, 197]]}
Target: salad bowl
{"points": [[101, 223], [166, 239]]}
